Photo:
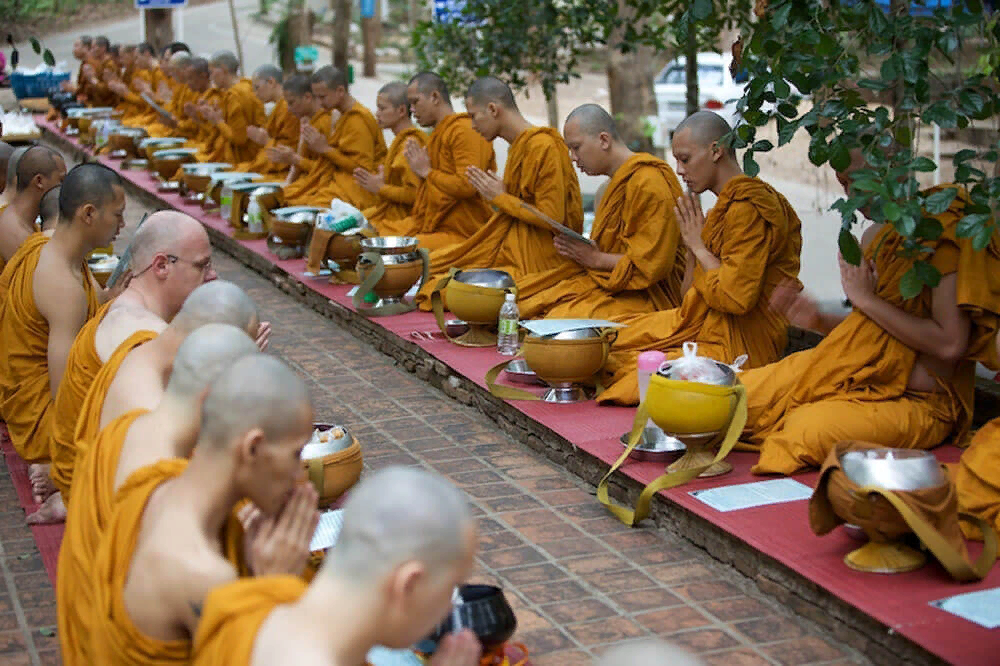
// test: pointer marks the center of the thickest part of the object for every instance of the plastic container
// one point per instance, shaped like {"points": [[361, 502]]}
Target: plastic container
{"points": [[507, 325], [647, 364], [255, 217], [226, 202], [26, 86]]}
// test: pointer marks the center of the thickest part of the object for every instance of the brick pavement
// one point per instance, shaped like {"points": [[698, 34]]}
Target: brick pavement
{"points": [[578, 580]]}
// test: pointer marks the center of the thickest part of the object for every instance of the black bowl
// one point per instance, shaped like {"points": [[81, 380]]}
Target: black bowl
{"points": [[485, 610]]}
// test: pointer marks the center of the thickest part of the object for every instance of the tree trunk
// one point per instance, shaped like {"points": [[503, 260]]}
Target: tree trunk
{"points": [[159, 27], [341, 32], [368, 33], [691, 69], [552, 107], [630, 86]]}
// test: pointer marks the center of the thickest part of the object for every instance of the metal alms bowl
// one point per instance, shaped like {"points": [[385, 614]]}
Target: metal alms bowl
{"points": [[893, 469], [174, 153], [204, 168], [484, 610], [484, 277], [727, 370], [683, 408], [390, 244], [568, 357], [476, 295]]}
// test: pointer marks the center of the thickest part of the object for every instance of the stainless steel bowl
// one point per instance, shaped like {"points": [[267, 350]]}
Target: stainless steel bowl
{"points": [[170, 153], [893, 469], [485, 277], [251, 186], [231, 176], [133, 132], [518, 372], [654, 446], [393, 259], [730, 374], [204, 168], [575, 334], [165, 142], [390, 244], [298, 214], [455, 327], [319, 449]]}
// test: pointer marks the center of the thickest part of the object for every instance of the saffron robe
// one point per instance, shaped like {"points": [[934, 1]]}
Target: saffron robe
{"points": [[356, 141], [757, 236], [85, 523], [25, 395], [395, 198], [635, 218], [540, 173], [853, 385], [307, 184], [82, 366], [233, 614], [228, 141], [447, 209], [87, 425], [977, 479], [283, 128]]}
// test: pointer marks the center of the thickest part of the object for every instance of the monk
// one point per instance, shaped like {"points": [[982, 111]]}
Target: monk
{"points": [[302, 104], [173, 93], [197, 98], [161, 552], [81, 51], [99, 59], [356, 141], [143, 75], [49, 295], [10, 173], [538, 172], [282, 127], [234, 110], [748, 245], [6, 150], [138, 438], [636, 262], [150, 301], [407, 540], [395, 185], [38, 170], [895, 372], [448, 209], [48, 211]]}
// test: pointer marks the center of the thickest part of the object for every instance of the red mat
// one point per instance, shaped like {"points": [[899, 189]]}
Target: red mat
{"points": [[780, 530]]}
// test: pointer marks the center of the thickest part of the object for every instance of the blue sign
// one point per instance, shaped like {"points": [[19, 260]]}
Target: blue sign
{"points": [[159, 4], [446, 11], [367, 8]]}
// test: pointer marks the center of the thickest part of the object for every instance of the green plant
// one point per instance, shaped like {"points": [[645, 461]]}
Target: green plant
{"points": [[36, 46]]}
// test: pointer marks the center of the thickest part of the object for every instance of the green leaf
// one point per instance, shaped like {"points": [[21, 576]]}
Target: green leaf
{"points": [[818, 151], [928, 273], [850, 250], [840, 155], [786, 132], [782, 89], [910, 285], [982, 239], [891, 211], [938, 202], [36, 46], [750, 166], [929, 228], [923, 164], [763, 146], [970, 225], [780, 16], [963, 155], [701, 9], [873, 84], [48, 58]]}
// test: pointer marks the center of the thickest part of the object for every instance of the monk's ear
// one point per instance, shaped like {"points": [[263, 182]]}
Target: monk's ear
{"points": [[493, 109], [717, 151], [89, 212], [405, 580], [250, 445]]}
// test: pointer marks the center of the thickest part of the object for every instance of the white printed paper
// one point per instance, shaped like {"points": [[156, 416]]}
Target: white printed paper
{"points": [[758, 493], [382, 656], [552, 326], [982, 607], [327, 530]]}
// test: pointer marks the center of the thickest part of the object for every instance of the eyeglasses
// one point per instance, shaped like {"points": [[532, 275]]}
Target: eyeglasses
{"points": [[205, 265]]}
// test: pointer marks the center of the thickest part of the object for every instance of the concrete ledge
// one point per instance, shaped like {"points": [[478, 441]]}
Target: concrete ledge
{"points": [[846, 623]]}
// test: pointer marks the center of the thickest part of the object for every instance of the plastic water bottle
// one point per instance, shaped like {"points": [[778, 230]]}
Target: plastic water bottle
{"points": [[255, 218], [507, 339]]}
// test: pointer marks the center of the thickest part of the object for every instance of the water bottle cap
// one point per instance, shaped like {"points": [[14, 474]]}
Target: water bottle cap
{"points": [[509, 297], [650, 361]]}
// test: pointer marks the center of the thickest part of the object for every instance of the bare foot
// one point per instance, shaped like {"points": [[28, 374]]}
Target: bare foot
{"points": [[52, 510], [41, 484]]}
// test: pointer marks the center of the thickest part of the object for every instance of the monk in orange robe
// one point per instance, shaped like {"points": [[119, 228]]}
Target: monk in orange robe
{"points": [[896, 372], [39, 170], [538, 172], [395, 185], [161, 553], [235, 109], [636, 261], [99, 61], [81, 51], [977, 479], [149, 302], [356, 141], [747, 246], [137, 112], [49, 296], [138, 438], [173, 92], [448, 209], [282, 128], [267, 620], [6, 150]]}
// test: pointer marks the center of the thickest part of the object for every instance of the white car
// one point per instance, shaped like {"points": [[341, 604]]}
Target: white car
{"points": [[717, 91]]}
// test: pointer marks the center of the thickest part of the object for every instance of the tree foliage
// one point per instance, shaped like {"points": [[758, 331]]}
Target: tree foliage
{"points": [[833, 51]]}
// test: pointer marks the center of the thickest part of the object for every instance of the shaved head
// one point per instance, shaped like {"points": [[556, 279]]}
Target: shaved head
{"points": [[330, 76], [12, 162], [257, 392], [396, 515], [265, 72], [592, 120], [180, 58], [163, 231], [647, 653], [6, 150], [490, 89], [38, 161], [297, 85], [204, 354], [706, 128], [429, 82], [217, 302], [199, 66], [48, 209], [225, 60], [395, 93], [92, 184]]}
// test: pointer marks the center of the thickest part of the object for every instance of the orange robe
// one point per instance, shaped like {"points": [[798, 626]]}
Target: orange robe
{"points": [[395, 198], [25, 396], [283, 128], [180, 94], [448, 210], [322, 122], [538, 172], [356, 141], [853, 385], [137, 113], [757, 236], [228, 141], [88, 422], [233, 614], [82, 366], [100, 94], [635, 218], [85, 523], [977, 479]]}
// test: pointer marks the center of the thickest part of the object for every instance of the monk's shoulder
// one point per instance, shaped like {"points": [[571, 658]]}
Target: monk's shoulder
{"points": [[120, 323], [650, 182]]}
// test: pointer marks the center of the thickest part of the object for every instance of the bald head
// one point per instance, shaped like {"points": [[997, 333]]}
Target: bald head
{"points": [[592, 120], [6, 150], [648, 653], [38, 161], [204, 354], [226, 60], [180, 58], [330, 76], [87, 184], [268, 72], [397, 515], [216, 302], [706, 128], [491, 90], [258, 392], [429, 82], [199, 66], [395, 93], [48, 209], [163, 232], [12, 162]]}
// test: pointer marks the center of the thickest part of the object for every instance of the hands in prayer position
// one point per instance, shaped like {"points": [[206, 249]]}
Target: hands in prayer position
{"points": [[691, 221], [190, 110], [371, 182], [584, 254], [418, 158], [211, 113], [314, 139], [118, 88], [488, 185], [282, 155], [858, 281], [164, 92], [280, 545], [258, 135]]}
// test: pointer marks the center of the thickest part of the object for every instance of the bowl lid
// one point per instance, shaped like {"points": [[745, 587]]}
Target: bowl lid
{"points": [[394, 243], [233, 175], [485, 277], [893, 469], [575, 334], [169, 153], [244, 186], [205, 167]]}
